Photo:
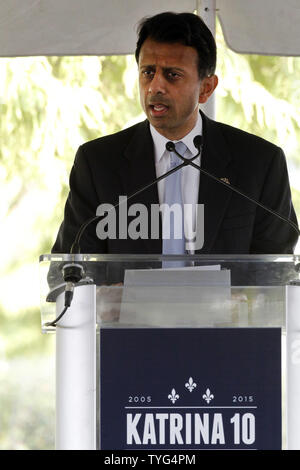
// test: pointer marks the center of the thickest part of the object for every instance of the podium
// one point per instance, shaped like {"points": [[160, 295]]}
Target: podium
{"points": [[154, 356]]}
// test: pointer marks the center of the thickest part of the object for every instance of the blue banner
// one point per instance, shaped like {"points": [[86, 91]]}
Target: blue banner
{"points": [[190, 388]]}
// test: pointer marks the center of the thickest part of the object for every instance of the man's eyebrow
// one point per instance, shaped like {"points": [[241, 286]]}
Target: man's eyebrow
{"points": [[147, 66], [173, 68], [165, 69]]}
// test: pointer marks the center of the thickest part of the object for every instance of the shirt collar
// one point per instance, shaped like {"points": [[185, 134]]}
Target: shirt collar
{"points": [[160, 141]]}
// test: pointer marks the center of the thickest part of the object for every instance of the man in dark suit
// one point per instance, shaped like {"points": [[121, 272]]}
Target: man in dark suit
{"points": [[176, 55]]}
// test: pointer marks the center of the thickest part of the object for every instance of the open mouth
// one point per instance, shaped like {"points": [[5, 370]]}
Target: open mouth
{"points": [[158, 109]]}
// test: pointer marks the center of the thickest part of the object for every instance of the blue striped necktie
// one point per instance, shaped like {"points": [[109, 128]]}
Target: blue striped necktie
{"points": [[173, 222]]}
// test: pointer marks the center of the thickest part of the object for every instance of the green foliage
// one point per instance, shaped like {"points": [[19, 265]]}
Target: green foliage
{"points": [[49, 106], [27, 404], [261, 94], [21, 334]]}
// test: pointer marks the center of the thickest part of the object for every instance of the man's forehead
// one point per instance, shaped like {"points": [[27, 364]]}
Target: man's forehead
{"points": [[167, 54]]}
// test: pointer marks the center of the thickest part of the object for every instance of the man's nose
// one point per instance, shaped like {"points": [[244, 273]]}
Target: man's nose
{"points": [[157, 84]]}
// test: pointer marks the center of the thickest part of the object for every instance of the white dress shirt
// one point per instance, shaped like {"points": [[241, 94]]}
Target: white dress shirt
{"points": [[190, 176]]}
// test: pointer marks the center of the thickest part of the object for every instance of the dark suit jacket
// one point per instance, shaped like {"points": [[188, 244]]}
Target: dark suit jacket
{"points": [[122, 163]]}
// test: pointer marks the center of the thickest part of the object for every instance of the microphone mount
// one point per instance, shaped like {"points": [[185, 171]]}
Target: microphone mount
{"points": [[170, 147]]}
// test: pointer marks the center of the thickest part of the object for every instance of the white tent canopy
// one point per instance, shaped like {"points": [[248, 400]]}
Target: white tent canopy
{"points": [[106, 27], [261, 26]]}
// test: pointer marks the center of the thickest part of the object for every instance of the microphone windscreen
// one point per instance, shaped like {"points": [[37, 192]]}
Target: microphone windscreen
{"points": [[198, 141], [170, 146]]}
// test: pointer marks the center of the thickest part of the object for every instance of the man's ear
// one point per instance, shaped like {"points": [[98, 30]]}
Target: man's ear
{"points": [[208, 86]]}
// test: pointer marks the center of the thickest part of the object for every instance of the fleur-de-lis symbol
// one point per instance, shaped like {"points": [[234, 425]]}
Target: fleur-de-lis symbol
{"points": [[190, 385], [208, 396], [173, 396]]}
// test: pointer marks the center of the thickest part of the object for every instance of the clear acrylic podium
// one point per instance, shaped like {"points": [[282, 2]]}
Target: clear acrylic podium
{"points": [[126, 295]]}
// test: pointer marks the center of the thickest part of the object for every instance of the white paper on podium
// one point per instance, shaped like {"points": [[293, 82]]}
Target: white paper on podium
{"points": [[192, 296]]}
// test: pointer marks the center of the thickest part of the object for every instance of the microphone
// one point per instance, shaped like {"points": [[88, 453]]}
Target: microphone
{"points": [[198, 142], [199, 145], [170, 146]]}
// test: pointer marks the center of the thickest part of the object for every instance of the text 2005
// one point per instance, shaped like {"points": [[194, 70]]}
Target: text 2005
{"points": [[139, 399]]}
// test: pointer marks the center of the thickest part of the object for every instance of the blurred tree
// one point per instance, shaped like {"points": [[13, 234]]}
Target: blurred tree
{"points": [[260, 94], [48, 106]]}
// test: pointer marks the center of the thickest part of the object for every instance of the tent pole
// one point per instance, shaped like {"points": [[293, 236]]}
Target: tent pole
{"points": [[206, 9]]}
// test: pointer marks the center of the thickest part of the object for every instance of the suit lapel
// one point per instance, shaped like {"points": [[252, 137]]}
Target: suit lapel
{"points": [[138, 173], [216, 159]]}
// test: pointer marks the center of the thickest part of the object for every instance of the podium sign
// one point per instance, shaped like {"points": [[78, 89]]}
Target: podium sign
{"points": [[190, 388]]}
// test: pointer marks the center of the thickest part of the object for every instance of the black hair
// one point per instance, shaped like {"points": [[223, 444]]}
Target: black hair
{"points": [[184, 28]]}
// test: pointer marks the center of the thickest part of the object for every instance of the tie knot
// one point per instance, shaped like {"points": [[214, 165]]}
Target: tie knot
{"points": [[180, 148]]}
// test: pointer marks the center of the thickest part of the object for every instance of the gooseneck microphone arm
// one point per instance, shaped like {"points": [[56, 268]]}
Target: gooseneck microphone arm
{"points": [[75, 248], [73, 272], [170, 146], [198, 144]]}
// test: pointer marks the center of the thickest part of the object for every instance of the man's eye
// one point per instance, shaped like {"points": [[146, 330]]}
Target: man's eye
{"points": [[148, 73], [173, 75]]}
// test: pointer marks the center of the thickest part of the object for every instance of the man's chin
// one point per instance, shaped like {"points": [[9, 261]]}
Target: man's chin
{"points": [[165, 130], [159, 125]]}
